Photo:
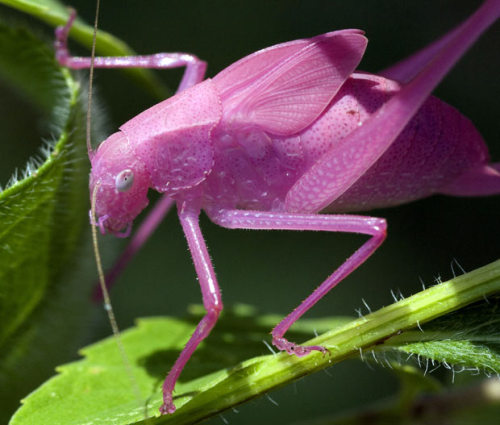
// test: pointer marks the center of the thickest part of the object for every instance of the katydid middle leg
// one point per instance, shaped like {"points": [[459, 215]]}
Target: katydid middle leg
{"points": [[264, 220], [212, 301]]}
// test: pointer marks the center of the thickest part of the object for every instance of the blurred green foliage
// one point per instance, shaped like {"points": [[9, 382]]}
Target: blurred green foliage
{"points": [[42, 216]]}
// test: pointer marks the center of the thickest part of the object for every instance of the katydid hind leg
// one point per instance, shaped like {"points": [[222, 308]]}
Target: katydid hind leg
{"points": [[404, 70], [193, 74], [340, 168], [212, 301], [263, 220], [483, 180]]}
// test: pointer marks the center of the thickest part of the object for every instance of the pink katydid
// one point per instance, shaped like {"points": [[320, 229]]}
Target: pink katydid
{"points": [[281, 135]]}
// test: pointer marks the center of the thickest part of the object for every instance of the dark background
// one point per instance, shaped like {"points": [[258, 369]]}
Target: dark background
{"points": [[276, 270]]}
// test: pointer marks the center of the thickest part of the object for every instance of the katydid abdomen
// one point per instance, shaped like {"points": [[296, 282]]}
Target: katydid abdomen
{"points": [[255, 170]]}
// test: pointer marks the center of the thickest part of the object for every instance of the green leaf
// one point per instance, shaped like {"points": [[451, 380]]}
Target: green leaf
{"points": [[54, 13], [466, 339], [152, 347], [98, 390], [42, 215]]}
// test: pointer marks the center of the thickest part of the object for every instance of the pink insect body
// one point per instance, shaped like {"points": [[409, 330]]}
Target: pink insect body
{"points": [[281, 135]]}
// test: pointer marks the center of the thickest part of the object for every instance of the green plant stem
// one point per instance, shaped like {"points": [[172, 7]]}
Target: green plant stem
{"points": [[259, 375]]}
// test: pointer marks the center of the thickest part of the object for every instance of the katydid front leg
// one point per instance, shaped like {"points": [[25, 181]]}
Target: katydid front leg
{"points": [[194, 73]]}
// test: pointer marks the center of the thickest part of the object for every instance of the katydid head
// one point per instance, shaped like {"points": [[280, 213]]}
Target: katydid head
{"points": [[121, 183]]}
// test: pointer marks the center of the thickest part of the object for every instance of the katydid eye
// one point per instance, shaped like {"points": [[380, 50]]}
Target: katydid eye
{"points": [[124, 180]]}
